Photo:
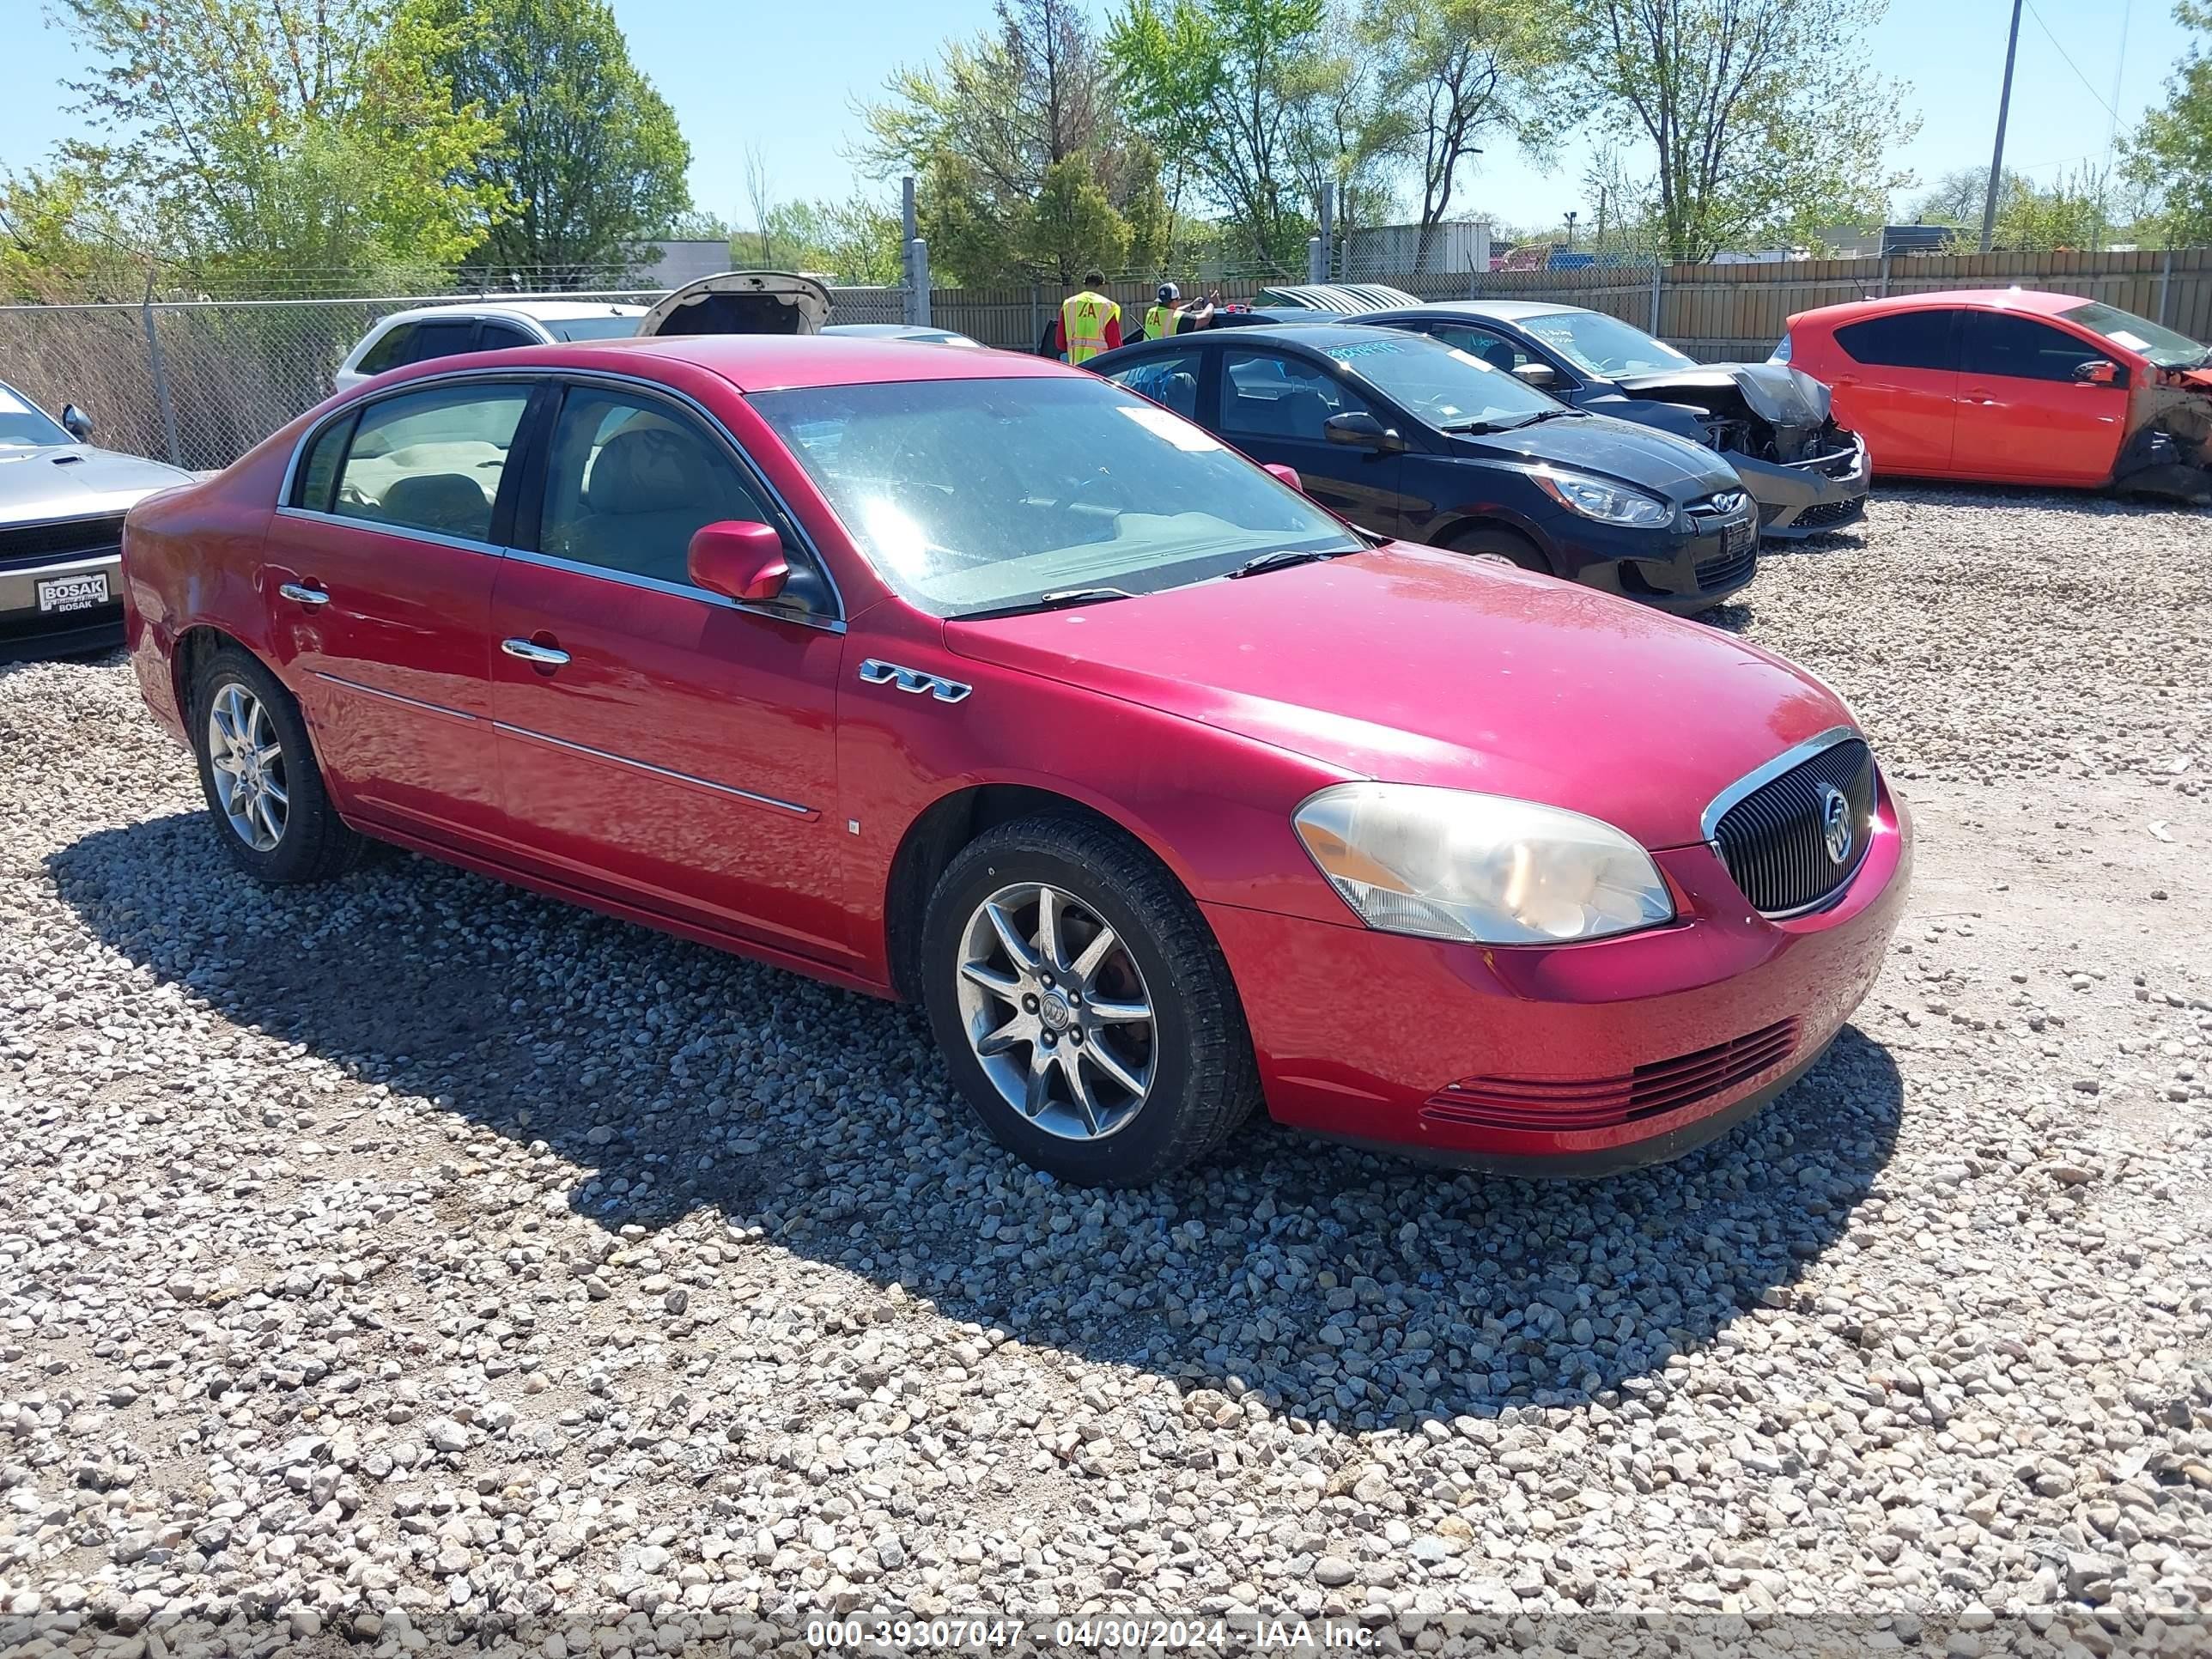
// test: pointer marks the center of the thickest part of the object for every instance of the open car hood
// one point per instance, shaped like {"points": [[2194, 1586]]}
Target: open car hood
{"points": [[741, 302], [1777, 394]]}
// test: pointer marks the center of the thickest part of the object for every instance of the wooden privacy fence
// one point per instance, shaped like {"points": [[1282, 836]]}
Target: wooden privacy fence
{"points": [[1712, 312]]}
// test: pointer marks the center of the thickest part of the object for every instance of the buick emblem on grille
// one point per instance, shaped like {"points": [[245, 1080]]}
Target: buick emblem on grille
{"points": [[1835, 822]]}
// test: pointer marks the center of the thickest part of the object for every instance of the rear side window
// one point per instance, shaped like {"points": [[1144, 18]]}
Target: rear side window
{"points": [[1998, 343], [1903, 339], [389, 351], [1269, 397], [1171, 379], [432, 460], [441, 339], [497, 336], [319, 469]]}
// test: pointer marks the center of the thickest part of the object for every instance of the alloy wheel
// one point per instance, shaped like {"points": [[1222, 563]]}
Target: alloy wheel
{"points": [[1056, 1011], [248, 763]]}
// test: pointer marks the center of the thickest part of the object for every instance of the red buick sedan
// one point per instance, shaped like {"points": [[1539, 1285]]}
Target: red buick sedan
{"points": [[969, 678]]}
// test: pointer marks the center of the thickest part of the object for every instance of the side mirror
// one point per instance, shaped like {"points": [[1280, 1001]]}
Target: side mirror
{"points": [[1363, 431], [1542, 375], [76, 422], [2098, 371], [739, 560], [1288, 475]]}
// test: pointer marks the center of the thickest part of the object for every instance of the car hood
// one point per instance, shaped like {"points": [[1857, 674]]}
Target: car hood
{"points": [[1625, 450], [741, 302], [75, 481], [1418, 666], [1776, 393]]}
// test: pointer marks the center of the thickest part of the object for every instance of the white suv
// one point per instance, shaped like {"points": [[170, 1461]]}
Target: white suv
{"points": [[428, 331]]}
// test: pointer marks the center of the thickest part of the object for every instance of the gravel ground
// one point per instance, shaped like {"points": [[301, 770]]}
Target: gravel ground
{"points": [[413, 1256]]}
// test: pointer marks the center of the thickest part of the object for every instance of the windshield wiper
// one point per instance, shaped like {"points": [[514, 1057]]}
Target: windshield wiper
{"points": [[1057, 598], [1281, 559]]}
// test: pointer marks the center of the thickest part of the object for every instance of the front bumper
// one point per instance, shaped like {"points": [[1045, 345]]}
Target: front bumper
{"points": [[1807, 498], [1680, 571], [26, 631], [1373, 1038]]}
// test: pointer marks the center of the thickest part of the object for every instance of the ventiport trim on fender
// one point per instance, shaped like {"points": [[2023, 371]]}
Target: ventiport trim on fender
{"points": [[875, 672], [792, 808]]}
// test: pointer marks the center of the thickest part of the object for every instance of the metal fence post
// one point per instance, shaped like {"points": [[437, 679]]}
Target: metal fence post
{"points": [[1657, 269], [917, 283], [1881, 285], [2165, 282], [1036, 312], [160, 375]]}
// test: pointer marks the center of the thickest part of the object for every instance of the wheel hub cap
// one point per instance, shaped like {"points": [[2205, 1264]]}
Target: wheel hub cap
{"points": [[1056, 1011], [246, 764]]}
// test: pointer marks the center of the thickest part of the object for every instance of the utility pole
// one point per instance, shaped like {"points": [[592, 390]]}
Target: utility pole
{"points": [[1571, 218], [1996, 159]]}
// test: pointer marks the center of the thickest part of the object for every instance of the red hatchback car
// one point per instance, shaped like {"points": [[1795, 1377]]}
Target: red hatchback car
{"points": [[970, 678], [2015, 386]]}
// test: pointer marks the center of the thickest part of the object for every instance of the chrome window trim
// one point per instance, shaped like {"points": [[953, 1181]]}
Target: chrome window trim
{"points": [[437, 539], [792, 807], [394, 696], [1709, 824], [679, 590], [535, 376]]}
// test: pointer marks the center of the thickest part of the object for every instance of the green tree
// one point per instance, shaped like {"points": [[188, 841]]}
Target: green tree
{"points": [[1765, 117], [590, 163], [2077, 211], [1454, 73], [63, 238], [1072, 225], [854, 241], [283, 134], [1229, 82], [2170, 156]]}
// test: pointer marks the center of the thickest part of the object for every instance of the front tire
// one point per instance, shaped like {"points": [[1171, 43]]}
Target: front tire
{"points": [[258, 771], [1495, 541], [1082, 1005]]}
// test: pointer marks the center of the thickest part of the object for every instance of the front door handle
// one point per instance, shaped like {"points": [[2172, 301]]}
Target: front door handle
{"points": [[300, 594], [544, 656]]}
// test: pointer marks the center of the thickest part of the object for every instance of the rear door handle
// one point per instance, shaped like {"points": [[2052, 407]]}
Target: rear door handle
{"points": [[544, 656], [300, 594]]}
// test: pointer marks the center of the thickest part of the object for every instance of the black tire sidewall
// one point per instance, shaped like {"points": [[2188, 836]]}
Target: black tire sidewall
{"points": [[1144, 1147], [1508, 544], [295, 856]]}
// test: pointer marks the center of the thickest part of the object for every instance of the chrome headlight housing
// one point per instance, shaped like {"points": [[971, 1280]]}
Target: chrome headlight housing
{"points": [[1609, 504], [1481, 869]]}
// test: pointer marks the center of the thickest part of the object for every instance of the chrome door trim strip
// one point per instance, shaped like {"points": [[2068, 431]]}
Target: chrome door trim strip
{"points": [[792, 808], [1760, 776], [679, 590], [394, 696], [437, 539]]}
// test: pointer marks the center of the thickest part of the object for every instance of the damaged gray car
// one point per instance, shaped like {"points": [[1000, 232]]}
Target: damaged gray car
{"points": [[1772, 422]]}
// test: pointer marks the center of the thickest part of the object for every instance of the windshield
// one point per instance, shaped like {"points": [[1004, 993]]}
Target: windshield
{"points": [[1445, 386], [2161, 345], [1601, 345], [971, 496], [23, 426], [594, 328]]}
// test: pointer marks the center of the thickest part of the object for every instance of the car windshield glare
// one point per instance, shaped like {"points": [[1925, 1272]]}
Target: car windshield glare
{"points": [[1445, 386], [2148, 340], [985, 495], [23, 425], [1604, 346]]}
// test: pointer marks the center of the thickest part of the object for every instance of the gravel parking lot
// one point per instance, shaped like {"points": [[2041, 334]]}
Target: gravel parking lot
{"points": [[413, 1256]]}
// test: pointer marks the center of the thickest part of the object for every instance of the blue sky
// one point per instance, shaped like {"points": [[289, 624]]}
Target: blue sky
{"points": [[785, 78]]}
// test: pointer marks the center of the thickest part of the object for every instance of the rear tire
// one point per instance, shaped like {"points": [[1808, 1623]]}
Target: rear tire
{"points": [[1494, 541], [264, 790], [1083, 1005]]}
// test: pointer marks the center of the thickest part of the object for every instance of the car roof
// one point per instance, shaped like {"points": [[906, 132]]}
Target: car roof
{"points": [[2036, 301], [779, 362], [544, 311], [1343, 298], [1501, 310]]}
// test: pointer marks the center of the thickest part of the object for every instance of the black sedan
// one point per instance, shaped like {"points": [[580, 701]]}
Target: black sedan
{"points": [[1408, 437], [1808, 474]]}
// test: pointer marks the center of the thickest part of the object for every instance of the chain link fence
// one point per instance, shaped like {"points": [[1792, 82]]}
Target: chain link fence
{"points": [[198, 382]]}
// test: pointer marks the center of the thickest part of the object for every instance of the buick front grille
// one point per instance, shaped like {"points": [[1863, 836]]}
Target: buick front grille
{"points": [[43, 544], [1601, 1103], [1792, 840]]}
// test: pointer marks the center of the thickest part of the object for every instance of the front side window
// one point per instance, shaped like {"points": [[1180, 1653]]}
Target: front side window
{"points": [[432, 460], [2146, 339], [1451, 389], [1264, 396], [1902, 339], [23, 424], [1489, 345], [441, 339], [978, 496], [497, 336], [1601, 345], [630, 480], [2021, 348], [1171, 379]]}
